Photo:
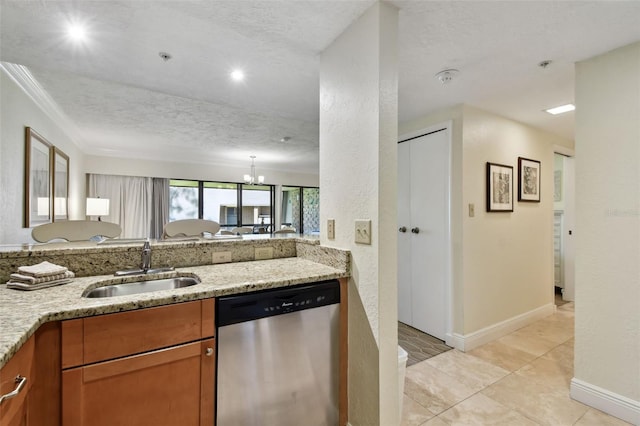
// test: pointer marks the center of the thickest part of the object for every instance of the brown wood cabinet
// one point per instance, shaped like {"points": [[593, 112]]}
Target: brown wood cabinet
{"points": [[14, 411], [38, 360], [153, 366]]}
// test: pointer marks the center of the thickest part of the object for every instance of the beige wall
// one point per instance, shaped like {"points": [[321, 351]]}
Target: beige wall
{"points": [[502, 262], [508, 257], [358, 168], [17, 112], [607, 349]]}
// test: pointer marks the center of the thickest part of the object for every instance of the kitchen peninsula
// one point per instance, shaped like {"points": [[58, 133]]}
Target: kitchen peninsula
{"points": [[294, 261]]}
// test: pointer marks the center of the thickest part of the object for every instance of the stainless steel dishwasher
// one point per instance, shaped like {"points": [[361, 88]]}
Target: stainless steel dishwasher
{"points": [[278, 357]]}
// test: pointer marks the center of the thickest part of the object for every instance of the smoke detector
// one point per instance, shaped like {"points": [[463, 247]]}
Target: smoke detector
{"points": [[446, 76], [165, 56]]}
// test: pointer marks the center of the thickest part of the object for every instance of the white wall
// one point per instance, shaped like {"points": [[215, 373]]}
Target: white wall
{"points": [[214, 172], [358, 169], [607, 328], [17, 112]]}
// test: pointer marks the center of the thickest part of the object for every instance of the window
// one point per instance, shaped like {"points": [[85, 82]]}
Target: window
{"points": [[256, 207], [184, 200], [229, 204], [301, 209], [220, 203]]}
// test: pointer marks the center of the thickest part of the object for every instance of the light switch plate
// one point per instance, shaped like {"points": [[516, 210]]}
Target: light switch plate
{"points": [[263, 253], [331, 229], [363, 231], [221, 257]]}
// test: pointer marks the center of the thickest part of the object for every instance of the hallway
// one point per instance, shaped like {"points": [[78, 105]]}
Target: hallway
{"points": [[520, 379]]}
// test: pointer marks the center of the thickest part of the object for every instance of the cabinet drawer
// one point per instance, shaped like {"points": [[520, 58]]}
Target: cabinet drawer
{"points": [[13, 411], [173, 386], [94, 339]]}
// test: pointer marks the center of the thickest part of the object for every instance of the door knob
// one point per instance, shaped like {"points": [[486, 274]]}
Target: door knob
{"points": [[415, 230], [209, 352], [402, 229]]}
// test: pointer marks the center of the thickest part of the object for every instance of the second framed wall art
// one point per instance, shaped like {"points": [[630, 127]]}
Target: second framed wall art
{"points": [[528, 180]]}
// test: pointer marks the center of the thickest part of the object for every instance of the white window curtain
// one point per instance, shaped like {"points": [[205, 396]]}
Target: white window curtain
{"points": [[131, 202]]}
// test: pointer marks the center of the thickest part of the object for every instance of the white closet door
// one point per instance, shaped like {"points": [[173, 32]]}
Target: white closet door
{"points": [[404, 238], [426, 161]]}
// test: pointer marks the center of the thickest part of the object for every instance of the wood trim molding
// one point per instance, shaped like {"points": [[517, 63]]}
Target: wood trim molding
{"points": [[343, 393], [72, 343], [208, 318]]}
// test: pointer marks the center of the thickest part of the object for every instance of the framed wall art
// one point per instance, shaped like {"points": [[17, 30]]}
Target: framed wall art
{"points": [[499, 188], [60, 185], [38, 203], [528, 180]]}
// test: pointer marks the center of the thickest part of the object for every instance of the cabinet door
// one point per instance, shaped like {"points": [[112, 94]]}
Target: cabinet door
{"points": [[173, 386], [13, 411], [44, 396]]}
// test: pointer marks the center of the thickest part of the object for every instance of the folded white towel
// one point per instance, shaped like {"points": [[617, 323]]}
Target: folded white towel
{"points": [[23, 286], [42, 269], [26, 279]]}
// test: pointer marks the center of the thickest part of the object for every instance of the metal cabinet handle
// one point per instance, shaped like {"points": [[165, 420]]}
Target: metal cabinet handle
{"points": [[21, 381], [209, 352], [402, 229], [415, 230]]}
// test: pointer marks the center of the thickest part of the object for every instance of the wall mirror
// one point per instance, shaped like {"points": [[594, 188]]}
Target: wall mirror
{"points": [[38, 203], [60, 185]]}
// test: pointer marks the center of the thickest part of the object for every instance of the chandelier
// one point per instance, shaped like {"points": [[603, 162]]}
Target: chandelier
{"points": [[252, 179]]}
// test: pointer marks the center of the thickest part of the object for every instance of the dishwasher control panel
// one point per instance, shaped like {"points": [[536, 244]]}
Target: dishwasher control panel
{"points": [[261, 304]]}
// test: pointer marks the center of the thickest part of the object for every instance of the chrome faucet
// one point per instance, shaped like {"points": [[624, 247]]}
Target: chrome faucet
{"points": [[146, 257], [145, 267]]}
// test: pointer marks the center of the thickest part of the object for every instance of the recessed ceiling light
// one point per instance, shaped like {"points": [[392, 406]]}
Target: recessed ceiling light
{"points": [[237, 75], [76, 32], [561, 109]]}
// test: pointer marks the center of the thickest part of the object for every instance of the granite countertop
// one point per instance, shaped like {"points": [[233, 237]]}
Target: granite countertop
{"points": [[22, 312]]}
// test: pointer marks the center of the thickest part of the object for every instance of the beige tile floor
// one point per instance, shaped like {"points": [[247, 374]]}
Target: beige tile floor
{"points": [[520, 379]]}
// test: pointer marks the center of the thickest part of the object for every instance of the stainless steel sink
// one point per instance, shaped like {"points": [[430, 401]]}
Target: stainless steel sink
{"points": [[141, 287]]}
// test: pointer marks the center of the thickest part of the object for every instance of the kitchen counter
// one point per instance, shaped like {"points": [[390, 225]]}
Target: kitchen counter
{"points": [[22, 312]]}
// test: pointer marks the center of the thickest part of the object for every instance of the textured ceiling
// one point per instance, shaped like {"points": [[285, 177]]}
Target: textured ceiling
{"points": [[126, 101]]}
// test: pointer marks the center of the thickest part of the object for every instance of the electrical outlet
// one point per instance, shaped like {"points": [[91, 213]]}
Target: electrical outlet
{"points": [[363, 231], [331, 229], [263, 253], [221, 257], [472, 210]]}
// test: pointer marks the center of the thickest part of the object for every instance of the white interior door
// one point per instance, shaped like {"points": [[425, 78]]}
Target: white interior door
{"points": [[404, 234], [423, 251]]}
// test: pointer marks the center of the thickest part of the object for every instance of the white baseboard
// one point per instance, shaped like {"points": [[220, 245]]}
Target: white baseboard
{"points": [[485, 335], [611, 403]]}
